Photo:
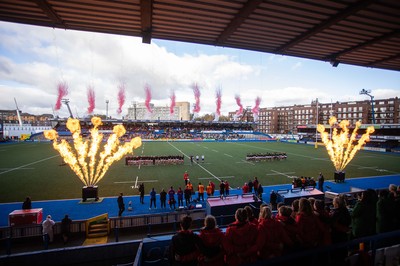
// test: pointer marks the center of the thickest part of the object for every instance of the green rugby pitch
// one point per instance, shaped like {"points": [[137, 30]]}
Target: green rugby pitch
{"points": [[35, 169]]}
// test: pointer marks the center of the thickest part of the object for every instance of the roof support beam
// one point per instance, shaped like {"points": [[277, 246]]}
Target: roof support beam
{"points": [[394, 57], [373, 41], [324, 25], [146, 15], [235, 23], [44, 5]]}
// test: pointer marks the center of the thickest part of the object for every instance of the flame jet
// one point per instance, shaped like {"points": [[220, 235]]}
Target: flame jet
{"points": [[341, 147], [85, 160]]}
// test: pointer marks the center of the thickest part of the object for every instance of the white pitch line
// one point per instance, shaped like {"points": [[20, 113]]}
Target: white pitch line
{"points": [[214, 150], [137, 177], [129, 182], [197, 163], [23, 166], [279, 173], [367, 167], [244, 161], [211, 177], [284, 173], [205, 147], [228, 155], [13, 168]]}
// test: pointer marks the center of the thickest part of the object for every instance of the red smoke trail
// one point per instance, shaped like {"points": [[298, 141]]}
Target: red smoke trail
{"points": [[256, 108], [238, 102], [218, 94], [171, 108], [148, 97], [91, 99], [121, 97], [196, 92], [62, 88]]}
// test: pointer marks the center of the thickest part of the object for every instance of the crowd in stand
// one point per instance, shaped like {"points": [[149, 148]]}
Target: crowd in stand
{"points": [[144, 130], [269, 156], [303, 182], [154, 160], [306, 224]]}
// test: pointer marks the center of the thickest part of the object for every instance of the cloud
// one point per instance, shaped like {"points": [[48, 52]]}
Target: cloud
{"points": [[33, 60]]}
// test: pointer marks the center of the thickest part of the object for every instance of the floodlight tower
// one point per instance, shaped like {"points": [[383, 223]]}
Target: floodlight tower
{"points": [[66, 102], [367, 92], [107, 101], [18, 113]]}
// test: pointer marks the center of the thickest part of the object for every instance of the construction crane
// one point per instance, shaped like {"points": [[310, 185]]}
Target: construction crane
{"points": [[367, 92], [18, 113], [66, 102]]}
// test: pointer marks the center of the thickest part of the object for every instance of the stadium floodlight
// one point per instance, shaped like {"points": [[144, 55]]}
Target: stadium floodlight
{"points": [[368, 92], [66, 102], [107, 101]]}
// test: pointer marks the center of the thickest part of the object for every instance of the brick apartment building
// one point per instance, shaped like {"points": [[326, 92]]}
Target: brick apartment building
{"points": [[288, 119]]}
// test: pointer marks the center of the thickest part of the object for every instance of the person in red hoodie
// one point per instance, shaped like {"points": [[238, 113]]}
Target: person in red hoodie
{"points": [[272, 237], [284, 216], [308, 224], [212, 237], [250, 215], [239, 237], [185, 246]]}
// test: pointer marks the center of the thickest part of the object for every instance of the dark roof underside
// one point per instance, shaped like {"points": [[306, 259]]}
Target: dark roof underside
{"points": [[363, 33]]}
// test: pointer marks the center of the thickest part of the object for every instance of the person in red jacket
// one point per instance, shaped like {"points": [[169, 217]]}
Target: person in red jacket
{"points": [[186, 177], [245, 188], [239, 236], [308, 224], [272, 237], [250, 215], [212, 237], [185, 245], [284, 216]]}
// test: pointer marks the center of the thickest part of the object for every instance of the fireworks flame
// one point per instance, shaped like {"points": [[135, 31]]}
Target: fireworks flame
{"points": [[342, 147], [85, 160]]}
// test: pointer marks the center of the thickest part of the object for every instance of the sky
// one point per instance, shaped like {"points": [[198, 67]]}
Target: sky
{"points": [[35, 60]]}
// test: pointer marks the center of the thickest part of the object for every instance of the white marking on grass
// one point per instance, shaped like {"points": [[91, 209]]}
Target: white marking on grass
{"points": [[130, 182], [136, 186], [197, 163], [244, 161], [215, 151], [23, 166], [320, 159], [228, 155], [284, 174], [211, 177], [205, 147], [19, 169], [367, 167]]}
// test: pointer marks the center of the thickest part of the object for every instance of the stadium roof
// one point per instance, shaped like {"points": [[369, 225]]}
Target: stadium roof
{"points": [[356, 32]]}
